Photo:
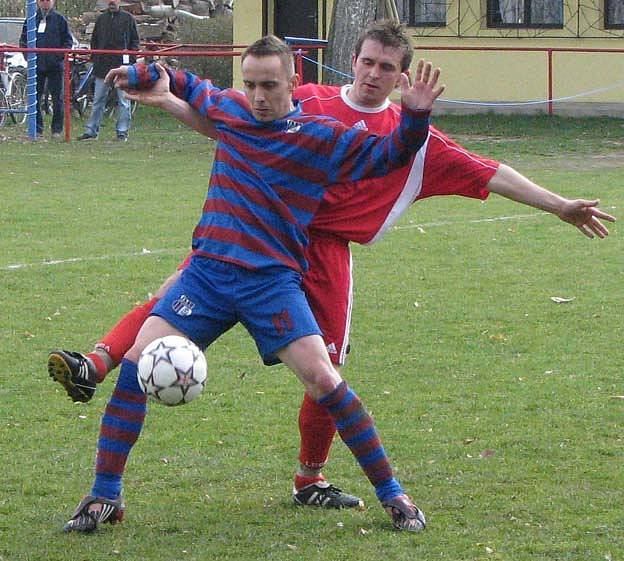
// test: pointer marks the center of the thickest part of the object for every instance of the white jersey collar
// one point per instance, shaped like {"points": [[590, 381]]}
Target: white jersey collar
{"points": [[343, 94]]}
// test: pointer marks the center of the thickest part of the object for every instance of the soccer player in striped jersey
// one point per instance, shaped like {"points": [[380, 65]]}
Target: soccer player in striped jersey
{"points": [[272, 165], [347, 213]]}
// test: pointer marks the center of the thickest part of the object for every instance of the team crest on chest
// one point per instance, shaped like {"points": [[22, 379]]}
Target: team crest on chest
{"points": [[292, 126]]}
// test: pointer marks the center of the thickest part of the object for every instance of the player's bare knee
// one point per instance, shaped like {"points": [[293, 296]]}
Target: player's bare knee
{"points": [[133, 353], [320, 379]]}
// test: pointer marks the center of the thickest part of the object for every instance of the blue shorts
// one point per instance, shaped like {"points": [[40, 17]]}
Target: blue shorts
{"points": [[212, 296]]}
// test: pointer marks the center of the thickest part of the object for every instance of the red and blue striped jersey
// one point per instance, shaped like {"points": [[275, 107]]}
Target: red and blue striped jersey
{"points": [[268, 178]]}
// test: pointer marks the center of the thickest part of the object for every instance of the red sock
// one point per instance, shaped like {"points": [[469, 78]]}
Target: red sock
{"points": [[120, 338], [317, 430], [302, 481], [101, 367]]}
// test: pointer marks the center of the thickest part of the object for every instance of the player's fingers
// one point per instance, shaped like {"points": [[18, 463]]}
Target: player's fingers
{"points": [[426, 73], [601, 214], [419, 70], [404, 82], [111, 76], [599, 228], [438, 91], [435, 75], [587, 202], [133, 95], [585, 230]]}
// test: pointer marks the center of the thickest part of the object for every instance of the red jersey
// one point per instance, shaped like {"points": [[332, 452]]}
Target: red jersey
{"points": [[365, 210]]}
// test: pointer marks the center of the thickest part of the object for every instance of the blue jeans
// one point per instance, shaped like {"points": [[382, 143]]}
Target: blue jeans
{"points": [[99, 103]]}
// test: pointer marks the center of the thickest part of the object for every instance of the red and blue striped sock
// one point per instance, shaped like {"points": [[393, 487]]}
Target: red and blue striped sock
{"points": [[357, 429], [119, 430]]}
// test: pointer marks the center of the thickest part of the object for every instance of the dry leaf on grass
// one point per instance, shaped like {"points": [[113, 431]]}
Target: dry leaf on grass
{"points": [[561, 299]]}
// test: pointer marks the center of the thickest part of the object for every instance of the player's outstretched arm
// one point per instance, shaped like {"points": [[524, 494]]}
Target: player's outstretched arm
{"points": [[584, 214], [160, 95], [424, 91]]}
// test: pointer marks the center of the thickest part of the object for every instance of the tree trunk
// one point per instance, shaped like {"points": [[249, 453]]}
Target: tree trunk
{"points": [[349, 18]]}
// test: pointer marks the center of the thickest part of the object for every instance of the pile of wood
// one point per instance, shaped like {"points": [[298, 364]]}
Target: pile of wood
{"points": [[157, 20]]}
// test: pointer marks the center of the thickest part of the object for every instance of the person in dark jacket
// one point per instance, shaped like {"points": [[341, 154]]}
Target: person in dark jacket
{"points": [[52, 32], [114, 30]]}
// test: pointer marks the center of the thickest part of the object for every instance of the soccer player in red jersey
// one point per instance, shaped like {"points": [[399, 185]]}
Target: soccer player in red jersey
{"points": [[359, 212]]}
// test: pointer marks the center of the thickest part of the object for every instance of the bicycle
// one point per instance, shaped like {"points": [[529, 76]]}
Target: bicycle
{"points": [[83, 86], [13, 96]]}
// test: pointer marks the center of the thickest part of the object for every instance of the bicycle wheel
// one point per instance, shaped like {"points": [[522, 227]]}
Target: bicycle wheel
{"points": [[17, 97], [110, 110], [80, 105], [4, 107], [82, 87]]}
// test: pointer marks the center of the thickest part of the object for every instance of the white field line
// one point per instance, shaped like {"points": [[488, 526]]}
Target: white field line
{"points": [[146, 252], [474, 221], [50, 262]]}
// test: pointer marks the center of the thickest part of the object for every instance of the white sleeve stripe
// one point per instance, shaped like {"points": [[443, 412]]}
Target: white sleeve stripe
{"points": [[411, 190]]}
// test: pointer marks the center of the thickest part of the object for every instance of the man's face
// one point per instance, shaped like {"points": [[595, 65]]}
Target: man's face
{"points": [[113, 5], [45, 5], [268, 87], [377, 71]]}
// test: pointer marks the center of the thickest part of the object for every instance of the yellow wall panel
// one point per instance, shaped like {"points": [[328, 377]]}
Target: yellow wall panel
{"points": [[504, 76]]}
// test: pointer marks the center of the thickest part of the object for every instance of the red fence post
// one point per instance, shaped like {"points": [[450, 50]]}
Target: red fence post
{"points": [[67, 96], [550, 82], [299, 64]]}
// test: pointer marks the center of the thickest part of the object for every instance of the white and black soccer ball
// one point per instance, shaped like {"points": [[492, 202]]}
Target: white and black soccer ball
{"points": [[172, 370]]}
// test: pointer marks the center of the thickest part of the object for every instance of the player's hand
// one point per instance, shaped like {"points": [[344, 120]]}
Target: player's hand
{"points": [[424, 91], [586, 217], [118, 77], [157, 95]]}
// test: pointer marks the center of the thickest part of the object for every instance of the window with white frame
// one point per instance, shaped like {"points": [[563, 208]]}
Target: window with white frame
{"points": [[526, 13], [423, 13], [614, 14]]}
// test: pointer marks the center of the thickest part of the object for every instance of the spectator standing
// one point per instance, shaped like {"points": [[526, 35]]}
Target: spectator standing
{"points": [[52, 32], [114, 30]]}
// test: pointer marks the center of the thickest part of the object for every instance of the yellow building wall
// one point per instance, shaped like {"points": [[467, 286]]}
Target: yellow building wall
{"points": [[248, 18], [247, 27], [488, 76]]}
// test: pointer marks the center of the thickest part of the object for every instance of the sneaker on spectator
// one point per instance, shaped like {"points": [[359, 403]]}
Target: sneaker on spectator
{"points": [[87, 136], [122, 137]]}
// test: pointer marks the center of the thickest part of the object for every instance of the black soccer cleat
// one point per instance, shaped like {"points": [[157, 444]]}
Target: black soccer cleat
{"points": [[75, 372], [405, 514], [325, 495], [93, 511]]}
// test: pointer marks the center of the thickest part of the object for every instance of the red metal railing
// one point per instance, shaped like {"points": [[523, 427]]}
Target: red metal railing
{"points": [[162, 50], [213, 49], [549, 57]]}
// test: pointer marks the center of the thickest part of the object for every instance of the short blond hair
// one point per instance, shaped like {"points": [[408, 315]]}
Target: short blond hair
{"points": [[270, 45]]}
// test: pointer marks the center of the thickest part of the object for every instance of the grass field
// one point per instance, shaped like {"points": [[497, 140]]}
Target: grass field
{"points": [[501, 410]]}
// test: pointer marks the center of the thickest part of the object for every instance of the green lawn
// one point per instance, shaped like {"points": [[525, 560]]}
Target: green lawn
{"points": [[501, 409]]}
